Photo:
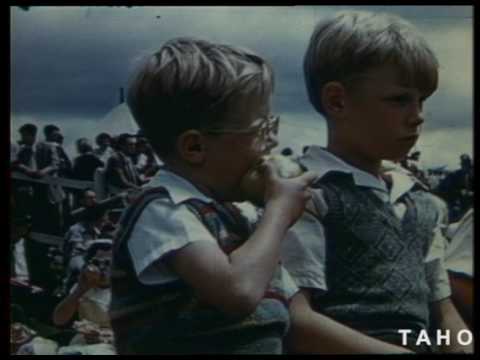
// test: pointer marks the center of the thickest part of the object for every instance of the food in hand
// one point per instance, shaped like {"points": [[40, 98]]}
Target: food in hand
{"points": [[253, 184]]}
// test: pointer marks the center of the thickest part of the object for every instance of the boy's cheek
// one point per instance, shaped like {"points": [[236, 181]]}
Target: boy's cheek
{"points": [[252, 187]]}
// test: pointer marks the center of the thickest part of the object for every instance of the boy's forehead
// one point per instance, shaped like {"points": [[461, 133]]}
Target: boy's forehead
{"points": [[390, 75], [245, 106]]}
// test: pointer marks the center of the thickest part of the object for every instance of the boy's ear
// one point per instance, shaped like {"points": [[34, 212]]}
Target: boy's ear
{"points": [[333, 98], [191, 146]]}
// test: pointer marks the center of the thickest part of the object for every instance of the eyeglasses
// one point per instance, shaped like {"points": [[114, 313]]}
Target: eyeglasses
{"points": [[263, 127]]}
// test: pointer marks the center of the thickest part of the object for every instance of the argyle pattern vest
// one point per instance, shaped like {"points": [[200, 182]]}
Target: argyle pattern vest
{"points": [[375, 270], [169, 318]]}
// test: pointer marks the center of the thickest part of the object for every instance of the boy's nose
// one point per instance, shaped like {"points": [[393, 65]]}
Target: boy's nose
{"points": [[417, 118]]}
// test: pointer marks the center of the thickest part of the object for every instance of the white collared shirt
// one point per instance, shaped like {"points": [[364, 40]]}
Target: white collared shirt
{"points": [[459, 252], [304, 251], [167, 225], [170, 218]]}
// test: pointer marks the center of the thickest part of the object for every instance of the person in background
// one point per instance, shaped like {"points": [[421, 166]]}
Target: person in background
{"points": [[23, 159], [54, 139], [103, 150], [120, 170], [83, 200], [457, 189], [145, 160], [89, 298], [78, 238], [86, 163]]}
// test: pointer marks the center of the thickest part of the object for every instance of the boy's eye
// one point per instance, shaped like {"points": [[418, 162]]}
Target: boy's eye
{"points": [[400, 99]]}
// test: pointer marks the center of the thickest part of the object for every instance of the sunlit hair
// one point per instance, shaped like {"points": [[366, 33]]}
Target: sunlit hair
{"points": [[351, 43], [193, 84]]}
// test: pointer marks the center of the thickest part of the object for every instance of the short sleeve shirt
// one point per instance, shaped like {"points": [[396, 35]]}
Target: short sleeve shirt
{"points": [[167, 225]]}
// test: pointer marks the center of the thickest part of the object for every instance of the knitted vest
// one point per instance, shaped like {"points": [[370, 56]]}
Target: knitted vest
{"points": [[169, 318], [375, 269]]}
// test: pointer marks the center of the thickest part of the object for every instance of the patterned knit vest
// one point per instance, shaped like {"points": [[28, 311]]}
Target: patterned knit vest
{"points": [[169, 318], [375, 269]]}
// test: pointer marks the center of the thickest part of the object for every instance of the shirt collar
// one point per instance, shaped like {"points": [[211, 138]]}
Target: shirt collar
{"points": [[179, 188], [402, 181], [322, 162]]}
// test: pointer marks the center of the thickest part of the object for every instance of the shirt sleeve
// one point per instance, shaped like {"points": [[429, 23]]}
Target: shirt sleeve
{"points": [[289, 285], [303, 252], [437, 276], [74, 235], [458, 253], [161, 229], [55, 158]]}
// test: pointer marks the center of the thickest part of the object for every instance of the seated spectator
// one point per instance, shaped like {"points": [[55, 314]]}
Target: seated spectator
{"points": [[145, 160], [84, 199], [89, 298], [89, 198], [77, 239], [120, 170], [86, 163], [104, 149]]}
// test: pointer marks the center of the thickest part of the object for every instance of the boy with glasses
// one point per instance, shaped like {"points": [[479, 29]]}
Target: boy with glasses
{"points": [[190, 274]]}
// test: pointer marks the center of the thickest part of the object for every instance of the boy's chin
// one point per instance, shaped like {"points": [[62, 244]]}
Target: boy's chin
{"points": [[396, 157]]}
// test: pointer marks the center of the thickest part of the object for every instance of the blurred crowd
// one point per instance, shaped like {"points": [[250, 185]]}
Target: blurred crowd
{"points": [[64, 215]]}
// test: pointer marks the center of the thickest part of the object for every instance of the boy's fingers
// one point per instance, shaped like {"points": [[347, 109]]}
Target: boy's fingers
{"points": [[267, 169], [308, 178]]}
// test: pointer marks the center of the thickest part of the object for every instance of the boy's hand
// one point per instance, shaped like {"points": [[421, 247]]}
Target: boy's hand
{"points": [[263, 185], [287, 195]]}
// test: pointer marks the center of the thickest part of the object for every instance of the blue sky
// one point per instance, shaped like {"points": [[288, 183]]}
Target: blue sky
{"points": [[67, 63]]}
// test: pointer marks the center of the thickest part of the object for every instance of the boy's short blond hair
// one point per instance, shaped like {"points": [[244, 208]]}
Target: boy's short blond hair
{"points": [[193, 84], [353, 42]]}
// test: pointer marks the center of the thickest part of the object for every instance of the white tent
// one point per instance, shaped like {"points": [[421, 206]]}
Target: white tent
{"points": [[119, 120]]}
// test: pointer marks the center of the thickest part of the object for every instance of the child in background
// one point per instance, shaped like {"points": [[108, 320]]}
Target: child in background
{"points": [[89, 298]]}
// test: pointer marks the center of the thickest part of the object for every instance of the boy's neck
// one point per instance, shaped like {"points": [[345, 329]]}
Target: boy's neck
{"points": [[355, 159], [195, 178]]}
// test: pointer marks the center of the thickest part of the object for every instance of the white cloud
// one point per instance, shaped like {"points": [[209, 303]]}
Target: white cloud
{"points": [[453, 45]]}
